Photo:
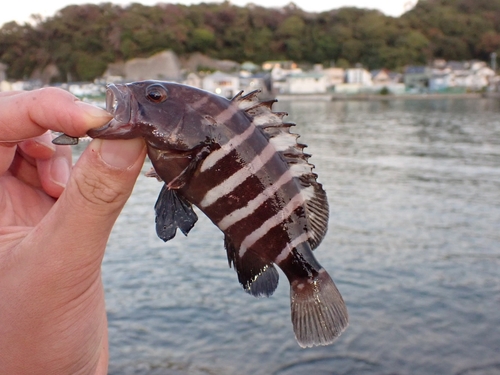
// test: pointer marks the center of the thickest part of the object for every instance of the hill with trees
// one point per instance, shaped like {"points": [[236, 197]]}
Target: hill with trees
{"points": [[81, 40]]}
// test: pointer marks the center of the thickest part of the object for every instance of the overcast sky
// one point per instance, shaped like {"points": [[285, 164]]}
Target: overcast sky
{"points": [[21, 11]]}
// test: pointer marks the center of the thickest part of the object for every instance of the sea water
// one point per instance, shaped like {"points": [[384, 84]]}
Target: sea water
{"points": [[413, 245]]}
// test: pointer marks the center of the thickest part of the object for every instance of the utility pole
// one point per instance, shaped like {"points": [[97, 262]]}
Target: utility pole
{"points": [[494, 61]]}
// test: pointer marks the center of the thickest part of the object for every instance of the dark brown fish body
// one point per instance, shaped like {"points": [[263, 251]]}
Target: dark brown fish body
{"points": [[237, 161]]}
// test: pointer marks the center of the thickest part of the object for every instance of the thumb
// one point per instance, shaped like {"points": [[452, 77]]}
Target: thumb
{"points": [[76, 229]]}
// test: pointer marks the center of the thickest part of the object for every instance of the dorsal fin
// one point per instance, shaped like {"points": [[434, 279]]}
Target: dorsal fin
{"points": [[278, 132]]}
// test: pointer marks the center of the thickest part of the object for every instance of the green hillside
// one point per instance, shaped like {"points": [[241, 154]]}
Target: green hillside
{"points": [[82, 40]]}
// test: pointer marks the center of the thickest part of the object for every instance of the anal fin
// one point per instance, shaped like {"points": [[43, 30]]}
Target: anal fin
{"points": [[173, 211], [257, 276], [265, 283]]}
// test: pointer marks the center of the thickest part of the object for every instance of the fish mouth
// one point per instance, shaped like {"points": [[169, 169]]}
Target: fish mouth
{"points": [[118, 104]]}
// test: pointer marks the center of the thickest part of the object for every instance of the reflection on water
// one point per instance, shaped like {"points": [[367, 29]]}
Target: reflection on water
{"points": [[413, 245]]}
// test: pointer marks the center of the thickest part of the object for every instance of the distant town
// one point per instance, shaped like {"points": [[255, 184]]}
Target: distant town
{"points": [[284, 79]]}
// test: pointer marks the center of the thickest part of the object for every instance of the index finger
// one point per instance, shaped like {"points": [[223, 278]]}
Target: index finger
{"points": [[29, 114]]}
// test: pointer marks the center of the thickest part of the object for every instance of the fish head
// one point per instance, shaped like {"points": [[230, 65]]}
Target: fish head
{"points": [[161, 112], [119, 103]]}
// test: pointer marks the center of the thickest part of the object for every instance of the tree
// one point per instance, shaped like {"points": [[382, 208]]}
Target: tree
{"points": [[82, 39]]}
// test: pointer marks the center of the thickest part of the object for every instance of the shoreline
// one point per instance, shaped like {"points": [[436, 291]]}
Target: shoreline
{"points": [[368, 97]]}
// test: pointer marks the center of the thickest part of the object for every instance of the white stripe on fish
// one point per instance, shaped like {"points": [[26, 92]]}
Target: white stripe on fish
{"points": [[290, 246], [227, 114], [225, 149], [255, 203], [231, 183], [278, 218]]}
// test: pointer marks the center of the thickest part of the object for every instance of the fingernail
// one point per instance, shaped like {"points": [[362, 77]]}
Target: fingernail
{"points": [[120, 153], [94, 112], [45, 140], [60, 170]]}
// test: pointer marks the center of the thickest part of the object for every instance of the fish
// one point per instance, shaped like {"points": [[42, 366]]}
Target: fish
{"points": [[239, 163]]}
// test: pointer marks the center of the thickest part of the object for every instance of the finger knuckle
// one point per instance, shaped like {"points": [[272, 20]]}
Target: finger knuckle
{"points": [[99, 191]]}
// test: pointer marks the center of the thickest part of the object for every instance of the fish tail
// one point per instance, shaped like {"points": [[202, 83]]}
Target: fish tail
{"points": [[319, 314]]}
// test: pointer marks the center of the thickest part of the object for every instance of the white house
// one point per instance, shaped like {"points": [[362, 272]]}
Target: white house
{"points": [[380, 77], [416, 78], [467, 75], [334, 76], [385, 80], [194, 80], [359, 76], [306, 83], [223, 84], [259, 81], [482, 75], [441, 80], [357, 80], [279, 71]]}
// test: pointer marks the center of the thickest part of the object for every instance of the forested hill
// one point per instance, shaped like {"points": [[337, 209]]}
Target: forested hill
{"points": [[82, 40]]}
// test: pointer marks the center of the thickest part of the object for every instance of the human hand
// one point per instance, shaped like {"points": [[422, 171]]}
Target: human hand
{"points": [[55, 220]]}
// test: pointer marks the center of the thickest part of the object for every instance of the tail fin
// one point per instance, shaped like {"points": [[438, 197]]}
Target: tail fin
{"points": [[319, 314]]}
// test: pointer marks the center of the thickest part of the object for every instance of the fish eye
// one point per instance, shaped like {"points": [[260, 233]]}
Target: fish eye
{"points": [[156, 94]]}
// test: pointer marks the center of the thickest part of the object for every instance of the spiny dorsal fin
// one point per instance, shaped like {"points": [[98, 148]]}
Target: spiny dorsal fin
{"points": [[278, 132], [248, 100]]}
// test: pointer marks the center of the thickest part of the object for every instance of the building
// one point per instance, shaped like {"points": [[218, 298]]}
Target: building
{"points": [[284, 65], [478, 76], [279, 71], [249, 66], [194, 80], [385, 81], [223, 84], [334, 76], [358, 76], [257, 81], [460, 76], [416, 78], [306, 83], [380, 77], [441, 81]]}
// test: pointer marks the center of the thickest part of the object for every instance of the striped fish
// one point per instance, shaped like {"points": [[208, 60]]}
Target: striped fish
{"points": [[237, 161]]}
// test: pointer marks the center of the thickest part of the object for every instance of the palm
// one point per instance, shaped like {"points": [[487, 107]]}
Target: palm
{"points": [[22, 204], [25, 205], [55, 220]]}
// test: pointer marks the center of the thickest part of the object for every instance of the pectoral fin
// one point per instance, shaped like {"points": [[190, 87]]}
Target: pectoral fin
{"points": [[173, 211], [185, 176]]}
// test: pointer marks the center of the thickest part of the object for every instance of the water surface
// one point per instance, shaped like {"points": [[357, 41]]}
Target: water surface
{"points": [[413, 245]]}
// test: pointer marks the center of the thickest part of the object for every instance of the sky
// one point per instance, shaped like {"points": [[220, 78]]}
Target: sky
{"points": [[21, 11]]}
